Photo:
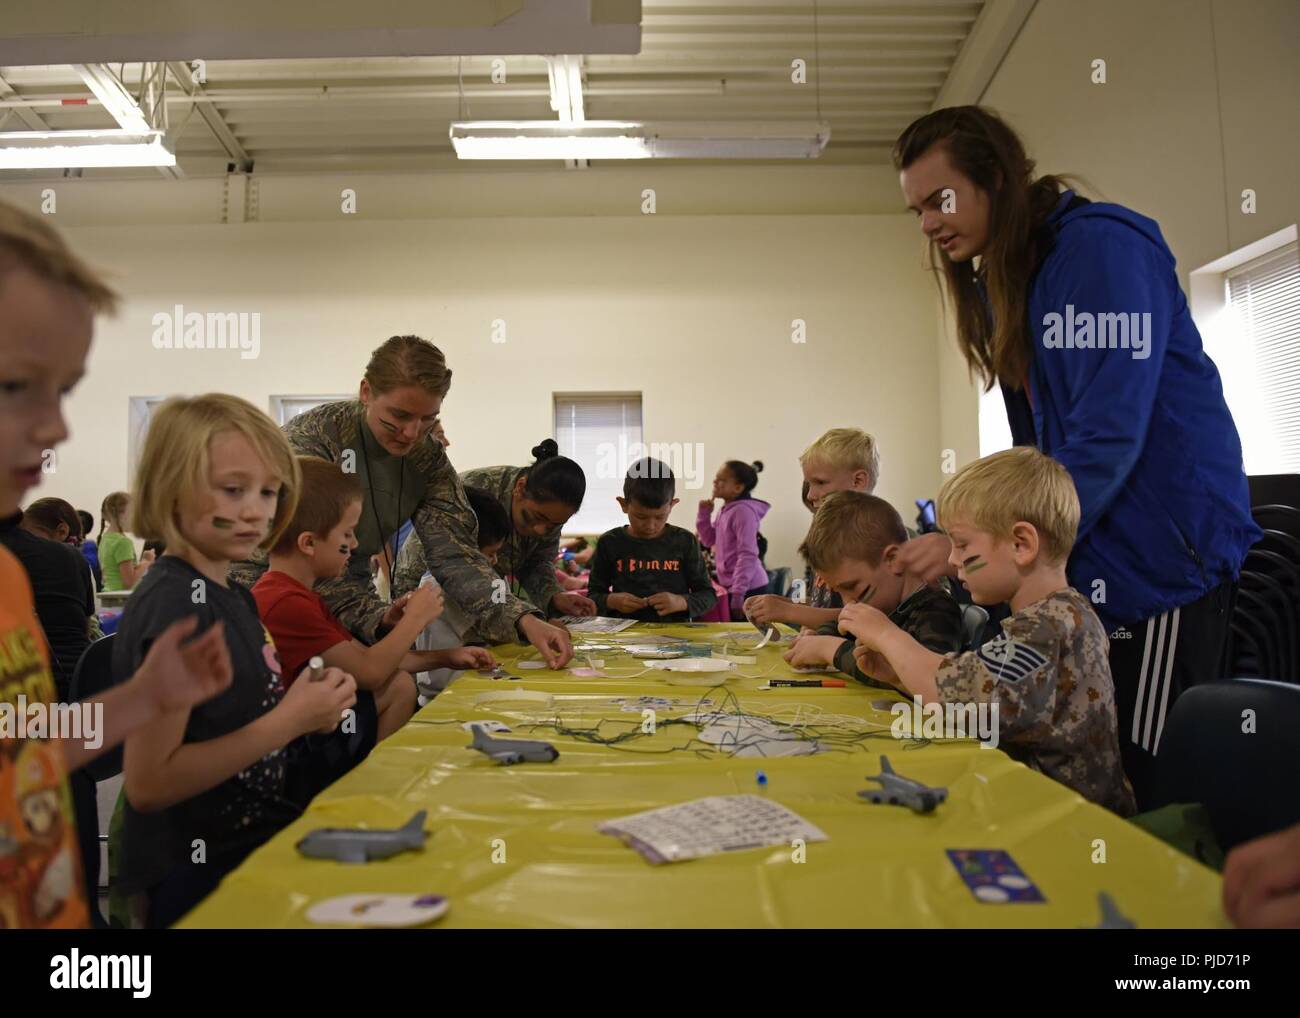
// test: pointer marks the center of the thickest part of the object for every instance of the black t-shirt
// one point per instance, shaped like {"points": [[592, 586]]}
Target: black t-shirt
{"points": [[671, 563], [242, 811], [65, 595]]}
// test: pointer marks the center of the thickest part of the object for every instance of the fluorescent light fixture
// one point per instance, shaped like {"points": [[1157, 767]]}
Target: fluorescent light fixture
{"points": [[616, 139], [55, 150]]}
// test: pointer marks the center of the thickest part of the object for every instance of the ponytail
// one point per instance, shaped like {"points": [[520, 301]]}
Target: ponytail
{"points": [[746, 474], [555, 478]]}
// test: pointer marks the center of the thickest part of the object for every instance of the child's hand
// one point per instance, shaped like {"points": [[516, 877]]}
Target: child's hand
{"points": [[318, 706], [864, 622], [1261, 881], [873, 663], [665, 603], [176, 676], [470, 657], [423, 603], [147, 557], [706, 503], [628, 604], [765, 608], [395, 611], [573, 604], [812, 651]]}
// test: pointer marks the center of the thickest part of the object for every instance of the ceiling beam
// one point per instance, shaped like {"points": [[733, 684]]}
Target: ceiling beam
{"points": [[184, 77], [980, 56]]}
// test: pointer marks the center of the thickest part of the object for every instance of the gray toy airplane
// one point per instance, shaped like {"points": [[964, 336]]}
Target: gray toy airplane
{"points": [[896, 790], [512, 751], [358, 844], [1111, 917]]}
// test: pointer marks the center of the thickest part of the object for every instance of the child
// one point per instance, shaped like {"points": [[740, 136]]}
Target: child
{"points": [[1012, 518], [89, 548], [843, 459], [734, 538], [315, 546], [216, 480], [116, 552], [48, 300], [853, 546], [448, 632], [649, 569]]}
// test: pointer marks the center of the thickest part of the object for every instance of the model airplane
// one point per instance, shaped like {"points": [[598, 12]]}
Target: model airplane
{"points": [[896, 790], [1111, 917], [512, 751], [359, 844]]}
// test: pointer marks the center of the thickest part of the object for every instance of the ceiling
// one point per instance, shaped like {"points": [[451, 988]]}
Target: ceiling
{"points": [[871, 68]]}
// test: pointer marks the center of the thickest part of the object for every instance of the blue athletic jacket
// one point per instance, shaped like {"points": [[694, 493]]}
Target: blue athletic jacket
{"points": [[1140, 424]]}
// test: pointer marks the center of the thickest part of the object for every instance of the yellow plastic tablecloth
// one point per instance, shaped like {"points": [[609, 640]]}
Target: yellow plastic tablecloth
{"points": [[518, 847]]}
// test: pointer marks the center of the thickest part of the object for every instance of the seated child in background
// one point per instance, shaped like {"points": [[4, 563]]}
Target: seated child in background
{"points": [[853, 546], [448, 631], [1013, 518], [216, 480], [316, 545], [843, 459], [650, 569]]}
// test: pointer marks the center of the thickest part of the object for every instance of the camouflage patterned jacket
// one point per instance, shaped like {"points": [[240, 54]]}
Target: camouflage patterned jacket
{"points": [[1049, 675], [928, 615], [529, 560], [434, 500]]}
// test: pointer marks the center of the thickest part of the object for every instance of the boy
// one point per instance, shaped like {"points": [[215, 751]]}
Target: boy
{"points": [[316, 546], [48, 301], [649, 569], [450, 629], [853, 546], [1012, 518], [843, 459]]}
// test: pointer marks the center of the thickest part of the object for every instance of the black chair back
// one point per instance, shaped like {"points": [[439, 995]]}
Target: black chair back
{"points": [[93, 676], [1230, 746]]}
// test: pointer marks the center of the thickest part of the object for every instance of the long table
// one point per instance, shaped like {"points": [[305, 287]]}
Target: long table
{"points": [[518, 846]]}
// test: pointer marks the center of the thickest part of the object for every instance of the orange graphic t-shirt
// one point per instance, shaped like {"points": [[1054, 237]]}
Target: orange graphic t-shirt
{"points": [[40, 864]]}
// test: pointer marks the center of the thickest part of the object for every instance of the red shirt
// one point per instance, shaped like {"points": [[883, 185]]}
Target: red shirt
{"points": [[298, 620]]}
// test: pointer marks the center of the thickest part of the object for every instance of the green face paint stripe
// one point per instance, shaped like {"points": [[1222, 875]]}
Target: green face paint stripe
{"points": [[972, 564], [222, 523]]}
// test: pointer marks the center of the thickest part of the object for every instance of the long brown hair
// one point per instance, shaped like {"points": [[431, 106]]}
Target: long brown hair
{"points": [[982, 147]]}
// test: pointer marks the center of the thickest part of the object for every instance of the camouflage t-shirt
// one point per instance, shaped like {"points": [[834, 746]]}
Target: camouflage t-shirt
{"points": [[1049, 675]]}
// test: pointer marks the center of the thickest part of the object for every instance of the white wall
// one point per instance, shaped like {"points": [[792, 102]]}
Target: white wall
{"points": [[693, 311]]}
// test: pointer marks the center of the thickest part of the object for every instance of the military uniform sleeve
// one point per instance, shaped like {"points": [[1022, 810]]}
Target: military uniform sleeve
{"points": [[1016, 671], [845, 662], [409, 568], [701, 597], [536, 574], [448, 533]]}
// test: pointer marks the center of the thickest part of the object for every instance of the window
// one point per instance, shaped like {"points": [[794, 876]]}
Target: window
{"points": [[139, 413], [1264, 296], [286, 408], [602, 433]]}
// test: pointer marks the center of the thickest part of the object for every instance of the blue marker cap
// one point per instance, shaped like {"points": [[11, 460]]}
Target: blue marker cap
{"points": [[762, 778]]}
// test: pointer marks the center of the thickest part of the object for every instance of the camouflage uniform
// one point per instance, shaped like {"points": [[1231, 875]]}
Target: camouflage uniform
{"points": [[928, 615], [1049, 674], [433, 499], [529, 560]]}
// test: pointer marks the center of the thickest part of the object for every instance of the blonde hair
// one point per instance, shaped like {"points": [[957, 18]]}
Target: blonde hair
{"points": [[28, 242], [408, 360], [111, 510], [845, 449], [851, 525], [176, 460], [1018, 485]]}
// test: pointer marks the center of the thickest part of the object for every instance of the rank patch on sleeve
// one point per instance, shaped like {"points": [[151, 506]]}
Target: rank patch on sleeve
{"points": [[1010, 661]]}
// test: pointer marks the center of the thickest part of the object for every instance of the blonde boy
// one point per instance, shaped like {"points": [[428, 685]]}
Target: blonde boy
{"points": [[1012, 518], [843, 459]]}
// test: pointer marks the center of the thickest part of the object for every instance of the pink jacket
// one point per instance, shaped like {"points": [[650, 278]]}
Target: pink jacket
{"points": [[734, 540]]}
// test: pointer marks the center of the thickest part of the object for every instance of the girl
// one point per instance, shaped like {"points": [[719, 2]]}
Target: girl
{"points": [[540, 499], [216, 481], [53, 519], [116, 552], [734, 538], [1138, 420]]}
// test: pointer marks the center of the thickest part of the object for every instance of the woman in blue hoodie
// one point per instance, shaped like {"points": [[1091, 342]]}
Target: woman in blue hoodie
{"points": [[1075, 311]]}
